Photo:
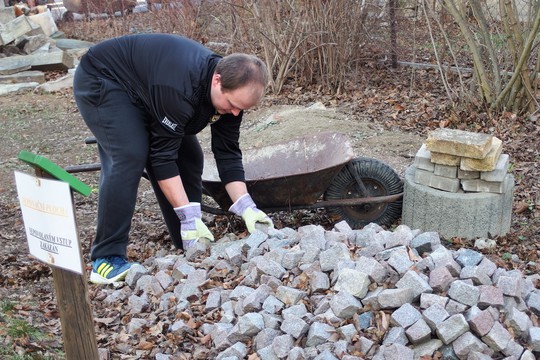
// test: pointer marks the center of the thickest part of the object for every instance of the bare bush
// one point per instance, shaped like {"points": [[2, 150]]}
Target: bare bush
{"points": [[501, 40]]}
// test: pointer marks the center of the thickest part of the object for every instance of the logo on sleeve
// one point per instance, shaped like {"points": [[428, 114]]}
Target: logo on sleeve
{"points": [[168, 123]]}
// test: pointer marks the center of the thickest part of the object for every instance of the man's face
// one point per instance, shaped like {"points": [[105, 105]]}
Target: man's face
{"points": [[233, 102]]}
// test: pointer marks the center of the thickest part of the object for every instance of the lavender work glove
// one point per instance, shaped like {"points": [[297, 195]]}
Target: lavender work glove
{"points": [[246, 208], [191, 226]]}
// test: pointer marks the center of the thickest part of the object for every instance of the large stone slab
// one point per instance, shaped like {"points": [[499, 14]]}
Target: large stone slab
{"points": [[23, 77], [488, 163], [52, 60], [459, 143], [13, 29]]}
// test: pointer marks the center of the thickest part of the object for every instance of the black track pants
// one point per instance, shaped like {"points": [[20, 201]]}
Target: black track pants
{"points": [[123, 142]]}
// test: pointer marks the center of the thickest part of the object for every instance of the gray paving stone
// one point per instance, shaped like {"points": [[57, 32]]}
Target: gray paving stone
{"points": [[394, 298], [497, 338], [464, 293], [418, 332], [412, 280], [466, 344], [318, 334], [372, 268], [405, 316], [354, 282], [451, 328], [434, 315]]}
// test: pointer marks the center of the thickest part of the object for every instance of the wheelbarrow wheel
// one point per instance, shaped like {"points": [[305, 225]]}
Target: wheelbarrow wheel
{"points": [[379, 180]]}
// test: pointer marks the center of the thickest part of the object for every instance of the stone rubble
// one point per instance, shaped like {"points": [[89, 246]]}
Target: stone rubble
{"points": [[341, 294]]}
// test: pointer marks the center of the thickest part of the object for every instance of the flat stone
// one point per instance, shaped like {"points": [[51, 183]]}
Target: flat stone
{"points": [[459, 143], [488, 163]]}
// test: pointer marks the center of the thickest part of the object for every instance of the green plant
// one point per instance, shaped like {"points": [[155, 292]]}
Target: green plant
{"points": [[506, 256], [6, 306], [18, 328]]}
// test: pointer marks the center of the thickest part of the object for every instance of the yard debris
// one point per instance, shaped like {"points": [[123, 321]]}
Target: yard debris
{"points": [[30, 40]]}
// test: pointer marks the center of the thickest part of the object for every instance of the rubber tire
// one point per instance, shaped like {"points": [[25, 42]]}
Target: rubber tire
{"points": [[380, 179]]}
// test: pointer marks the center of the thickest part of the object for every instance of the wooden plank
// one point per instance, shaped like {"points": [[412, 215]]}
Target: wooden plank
{"points": [[74, 308], [13, 29], [56, 171]]}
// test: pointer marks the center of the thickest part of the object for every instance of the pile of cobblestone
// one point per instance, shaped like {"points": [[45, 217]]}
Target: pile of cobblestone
{"points": [[341, 294]]}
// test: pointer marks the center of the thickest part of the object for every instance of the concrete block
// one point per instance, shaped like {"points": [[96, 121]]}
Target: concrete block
{"points": [[445, 159], [23, 77], [484, 164], [446, 171], [459, 142], [13, 29], [479, 185], [466, 215], [427, 178], [500, 171], [464, 174], [6, 13], [422, 159]]}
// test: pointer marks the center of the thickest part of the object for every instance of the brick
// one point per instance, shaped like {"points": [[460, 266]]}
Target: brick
{"points": [[488, 163], [459, 142]]}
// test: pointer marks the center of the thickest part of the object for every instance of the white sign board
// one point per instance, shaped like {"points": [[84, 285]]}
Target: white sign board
{"points": [[49, 221]]}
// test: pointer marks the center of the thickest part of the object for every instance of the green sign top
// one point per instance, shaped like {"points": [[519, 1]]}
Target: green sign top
{"points": [[55, 171]]}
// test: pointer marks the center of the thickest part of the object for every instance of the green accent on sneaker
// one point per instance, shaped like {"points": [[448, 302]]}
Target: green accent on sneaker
{"points": [[110, 269]]}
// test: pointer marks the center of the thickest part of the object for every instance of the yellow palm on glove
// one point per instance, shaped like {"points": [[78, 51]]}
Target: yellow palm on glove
{"points": [[246, 208], [192, 228]]}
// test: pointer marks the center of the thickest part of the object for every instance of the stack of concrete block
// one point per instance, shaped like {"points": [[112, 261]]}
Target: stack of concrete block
{"points": [[459, 186], [456, 160]]}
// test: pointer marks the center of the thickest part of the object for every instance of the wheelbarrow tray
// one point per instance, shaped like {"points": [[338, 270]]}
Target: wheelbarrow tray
{"points": [[292, 173]]}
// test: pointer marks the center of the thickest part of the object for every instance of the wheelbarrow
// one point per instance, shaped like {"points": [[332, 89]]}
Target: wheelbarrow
{"points": [[310, 172]]}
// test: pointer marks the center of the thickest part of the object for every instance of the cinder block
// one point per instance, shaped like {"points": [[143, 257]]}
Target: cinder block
{"points": [[438, 182], [459, 142]]}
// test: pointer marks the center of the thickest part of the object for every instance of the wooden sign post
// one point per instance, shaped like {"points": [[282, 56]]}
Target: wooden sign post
{"points": [[70, 284]]}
